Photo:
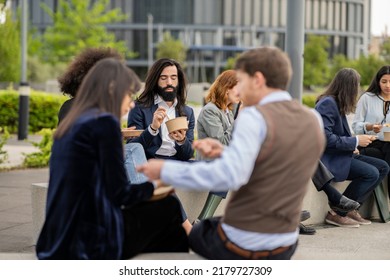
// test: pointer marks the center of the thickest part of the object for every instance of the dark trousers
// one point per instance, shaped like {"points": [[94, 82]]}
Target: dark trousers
{"points": [[365, 173], [322, 176], [205, 241], [378, 149], [154, 226]]}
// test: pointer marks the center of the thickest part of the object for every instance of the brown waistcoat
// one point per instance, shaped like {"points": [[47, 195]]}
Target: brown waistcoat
{"points": [[271, 201]]}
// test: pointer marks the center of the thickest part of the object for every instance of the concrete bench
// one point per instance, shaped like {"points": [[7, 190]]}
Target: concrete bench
{"points": [[314, 201], [38, 206]]}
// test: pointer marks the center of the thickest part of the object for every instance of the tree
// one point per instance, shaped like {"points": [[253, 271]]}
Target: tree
{"points": [[385, 51], [367, 66], [231, 61], [316, 69], [169, 47], [338, 62], [79, 25], [10, 49]]}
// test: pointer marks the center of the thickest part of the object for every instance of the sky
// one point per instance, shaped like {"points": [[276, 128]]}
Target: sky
{"points": [[380, 16]]}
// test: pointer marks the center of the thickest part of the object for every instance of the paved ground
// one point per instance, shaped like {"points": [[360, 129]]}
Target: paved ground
{"points": [[330, 243]]}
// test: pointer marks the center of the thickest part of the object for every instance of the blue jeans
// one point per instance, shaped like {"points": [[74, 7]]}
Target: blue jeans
{"points": [[134, 156], [365, 173]]}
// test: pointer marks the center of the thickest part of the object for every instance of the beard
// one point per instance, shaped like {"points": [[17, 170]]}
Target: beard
{"points": [[167, 95]]}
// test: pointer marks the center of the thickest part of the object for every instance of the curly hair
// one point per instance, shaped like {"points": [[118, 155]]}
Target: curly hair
{"points": [[71, 80], [103, 88]]}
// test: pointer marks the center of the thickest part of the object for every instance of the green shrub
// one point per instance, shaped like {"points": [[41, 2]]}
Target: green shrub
{"points": [[9, 103], [3, 139], [309, 100], [9, 49], [43, 110], [41, 158]]}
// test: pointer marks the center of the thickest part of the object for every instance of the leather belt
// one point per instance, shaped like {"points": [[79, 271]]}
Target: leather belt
{"points": [[253, 255]]}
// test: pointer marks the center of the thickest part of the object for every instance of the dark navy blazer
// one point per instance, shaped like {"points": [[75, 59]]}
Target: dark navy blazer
{"points": [[88, 184], [340, 142], [141, 117]]}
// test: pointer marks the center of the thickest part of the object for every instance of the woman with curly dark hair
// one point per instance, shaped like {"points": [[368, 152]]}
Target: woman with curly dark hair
{"points": [[71, 80]]}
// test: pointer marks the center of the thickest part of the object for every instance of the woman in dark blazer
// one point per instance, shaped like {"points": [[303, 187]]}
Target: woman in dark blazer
{"points": [[88, 184], [341, 156]]}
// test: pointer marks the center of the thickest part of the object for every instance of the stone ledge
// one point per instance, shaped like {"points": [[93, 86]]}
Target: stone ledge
{"points": [[317, 203]]}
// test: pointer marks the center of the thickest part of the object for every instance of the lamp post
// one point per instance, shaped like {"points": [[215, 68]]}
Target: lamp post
{"points": [[150, 40], [295, 37], [24, 88]]}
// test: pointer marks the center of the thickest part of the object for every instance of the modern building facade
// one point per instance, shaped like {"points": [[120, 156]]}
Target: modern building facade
{"points": [[215, 30]]}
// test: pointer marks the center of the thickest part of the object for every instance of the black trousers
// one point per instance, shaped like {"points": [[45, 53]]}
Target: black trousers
{"points": [[322, 176], [154, 226], [378, 149], [205, 241]]}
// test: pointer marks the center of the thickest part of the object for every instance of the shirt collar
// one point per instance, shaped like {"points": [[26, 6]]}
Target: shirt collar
{"points": [[276, 96]]}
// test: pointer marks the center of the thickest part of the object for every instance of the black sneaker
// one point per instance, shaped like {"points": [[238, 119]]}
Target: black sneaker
{"points": [[306, 230]]}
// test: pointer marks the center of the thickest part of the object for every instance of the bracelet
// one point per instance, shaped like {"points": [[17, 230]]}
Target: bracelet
{"points": [[152, 128]]}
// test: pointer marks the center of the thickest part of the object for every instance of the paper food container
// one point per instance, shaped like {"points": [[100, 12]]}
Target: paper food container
{"points": [[131, 133], [177, 124]]}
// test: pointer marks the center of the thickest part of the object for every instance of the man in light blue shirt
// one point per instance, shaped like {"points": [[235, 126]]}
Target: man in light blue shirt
{"points": [[246, 232]]}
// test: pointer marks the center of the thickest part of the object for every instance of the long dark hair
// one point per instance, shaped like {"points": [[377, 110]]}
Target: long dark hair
{"points": [[374, 87], [104, 88], [345, 89], [146, 98]]}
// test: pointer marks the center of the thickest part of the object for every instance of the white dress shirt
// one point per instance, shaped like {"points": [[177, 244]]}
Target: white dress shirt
{"points": [[167, 147]]}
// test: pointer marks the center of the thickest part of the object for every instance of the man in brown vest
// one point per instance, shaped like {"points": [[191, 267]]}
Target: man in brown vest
{"points": [[274, 151]]}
